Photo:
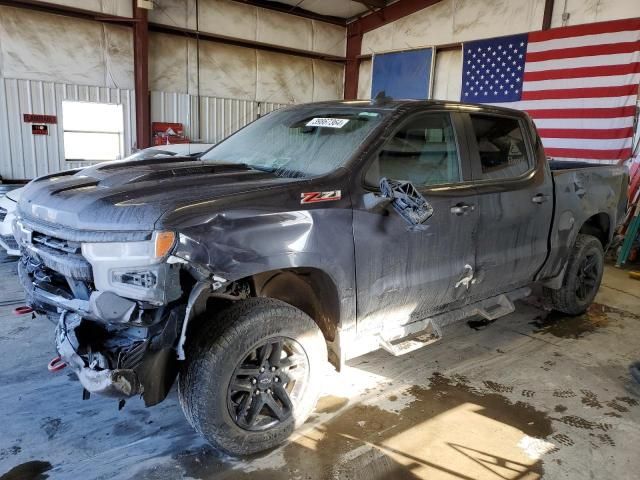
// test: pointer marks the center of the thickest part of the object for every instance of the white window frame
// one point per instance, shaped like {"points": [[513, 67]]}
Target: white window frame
{"points": [[119, 132]]}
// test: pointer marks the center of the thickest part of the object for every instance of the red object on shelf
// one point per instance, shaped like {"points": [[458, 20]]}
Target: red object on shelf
{"points": [[167, 133]]}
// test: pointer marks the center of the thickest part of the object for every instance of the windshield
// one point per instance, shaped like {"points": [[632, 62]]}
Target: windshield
{"points": [[298, 142]]}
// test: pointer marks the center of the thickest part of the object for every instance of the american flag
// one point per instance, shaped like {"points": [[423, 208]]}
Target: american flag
{"points": [[578, 83]]}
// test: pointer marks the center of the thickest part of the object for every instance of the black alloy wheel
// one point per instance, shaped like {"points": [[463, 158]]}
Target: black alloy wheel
{"points": [[253, 374], [265, 386], [581, 277], [588, 275]]}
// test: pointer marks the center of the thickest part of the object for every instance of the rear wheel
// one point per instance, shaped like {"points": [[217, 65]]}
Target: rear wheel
{"points": [[582, 277], [253, 375]]}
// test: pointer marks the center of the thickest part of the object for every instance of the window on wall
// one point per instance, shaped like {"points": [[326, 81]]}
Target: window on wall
{"points": [[92, 131]]}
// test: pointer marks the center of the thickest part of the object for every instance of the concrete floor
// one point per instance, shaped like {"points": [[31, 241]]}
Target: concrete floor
{"points": [[531, 395]]}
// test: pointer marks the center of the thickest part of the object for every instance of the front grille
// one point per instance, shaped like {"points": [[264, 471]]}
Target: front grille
{"points": [[65, 246], [62, 256], [3, 214]]}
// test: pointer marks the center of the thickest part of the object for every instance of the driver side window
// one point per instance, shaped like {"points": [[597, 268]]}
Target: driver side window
{"points": [[423, 151]]}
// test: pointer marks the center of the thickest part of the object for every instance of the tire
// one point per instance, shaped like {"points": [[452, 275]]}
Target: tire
{"points": [[578, 289], [211, 402]]}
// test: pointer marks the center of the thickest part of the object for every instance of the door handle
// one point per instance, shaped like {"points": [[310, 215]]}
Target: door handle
{"points": [[462, 209], [539, 198]]}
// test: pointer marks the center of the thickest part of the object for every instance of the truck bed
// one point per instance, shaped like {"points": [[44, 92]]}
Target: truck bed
{"points": [[583, 192]]}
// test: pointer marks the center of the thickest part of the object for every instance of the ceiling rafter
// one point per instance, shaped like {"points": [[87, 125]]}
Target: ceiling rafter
{"points": [[300, 12], [373, 3]]}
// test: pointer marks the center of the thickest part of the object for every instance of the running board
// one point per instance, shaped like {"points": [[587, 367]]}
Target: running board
{"points": [[430, 329], [412, 344]]}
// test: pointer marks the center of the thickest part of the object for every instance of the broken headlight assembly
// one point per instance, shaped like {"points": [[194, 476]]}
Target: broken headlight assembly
{"points": [[148, 252], [130, 269]]}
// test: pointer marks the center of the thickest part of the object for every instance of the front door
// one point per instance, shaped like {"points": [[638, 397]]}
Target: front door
{"points": [[515, 202], [405, 275]]}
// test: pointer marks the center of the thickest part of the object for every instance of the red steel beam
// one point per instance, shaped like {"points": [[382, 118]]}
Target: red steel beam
{"points": [[352, 66], [393, 12], [356, 29], [141, 75]]}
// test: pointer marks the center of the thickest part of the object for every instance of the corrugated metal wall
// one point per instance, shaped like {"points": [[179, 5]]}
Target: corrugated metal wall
{"points": [[223, 116], [24, 155], [174, 107], [220, 116]]}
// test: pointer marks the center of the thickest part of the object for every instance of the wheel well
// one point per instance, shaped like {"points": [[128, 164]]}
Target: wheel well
{"points": [[599, 226], [309, 289]]}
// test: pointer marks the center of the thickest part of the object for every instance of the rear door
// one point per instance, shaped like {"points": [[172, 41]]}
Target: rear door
{"points": [[515, 202], [405, 275]]}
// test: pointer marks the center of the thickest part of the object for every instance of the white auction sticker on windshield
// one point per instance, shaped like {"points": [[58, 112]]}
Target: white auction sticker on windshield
{"points": [[328, 122]]}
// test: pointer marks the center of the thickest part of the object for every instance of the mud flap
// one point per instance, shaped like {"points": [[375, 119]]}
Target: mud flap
{"points": [[159, 367], [156, 373]]}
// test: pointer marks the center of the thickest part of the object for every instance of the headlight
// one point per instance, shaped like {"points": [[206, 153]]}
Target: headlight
{"points": [[133, 253], [133, 269]]}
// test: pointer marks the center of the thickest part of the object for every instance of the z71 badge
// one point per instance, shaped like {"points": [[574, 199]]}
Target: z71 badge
{"points": [[315, 197]]}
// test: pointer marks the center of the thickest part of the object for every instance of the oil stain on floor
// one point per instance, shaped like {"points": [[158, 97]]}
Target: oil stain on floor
{"points": [[561, 325]]}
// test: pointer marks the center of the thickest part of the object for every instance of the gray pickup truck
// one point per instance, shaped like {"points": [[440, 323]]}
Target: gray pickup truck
{"points": [[318, 232]]}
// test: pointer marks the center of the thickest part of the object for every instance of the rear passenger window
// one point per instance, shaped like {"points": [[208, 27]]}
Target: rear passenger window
{"points": [[423, 151], [501, 146]]}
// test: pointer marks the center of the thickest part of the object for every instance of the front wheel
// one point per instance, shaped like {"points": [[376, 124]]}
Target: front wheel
{"points": [[582, 277], [253, 375]]}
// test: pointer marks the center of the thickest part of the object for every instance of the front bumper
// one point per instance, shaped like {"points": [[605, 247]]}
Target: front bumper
{"points": [[116, 383], [126, 362], [117, 346], [46, 301]]}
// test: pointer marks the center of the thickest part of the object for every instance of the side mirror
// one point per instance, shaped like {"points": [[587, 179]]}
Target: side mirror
{"points": [[374, 202], [407, 202]]}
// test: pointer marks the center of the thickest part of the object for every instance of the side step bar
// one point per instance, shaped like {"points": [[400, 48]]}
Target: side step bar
{"points": [[430, 329]]}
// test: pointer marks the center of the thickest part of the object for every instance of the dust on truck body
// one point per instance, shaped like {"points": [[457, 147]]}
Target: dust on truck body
{"points": [[319, 231]]}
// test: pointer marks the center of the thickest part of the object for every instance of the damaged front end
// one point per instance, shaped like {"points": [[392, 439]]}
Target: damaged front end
{"points": [[120, 362], [117, 307]]}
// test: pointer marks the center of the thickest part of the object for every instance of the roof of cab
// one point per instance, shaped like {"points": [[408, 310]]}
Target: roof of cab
{"points": [[395, 104]]}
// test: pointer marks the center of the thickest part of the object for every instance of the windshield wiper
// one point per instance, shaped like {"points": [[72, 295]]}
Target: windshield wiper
{"points": [[277, 171]]}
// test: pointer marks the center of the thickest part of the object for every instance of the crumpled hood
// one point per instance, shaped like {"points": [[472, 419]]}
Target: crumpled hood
{"points": [[133, 195]]}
